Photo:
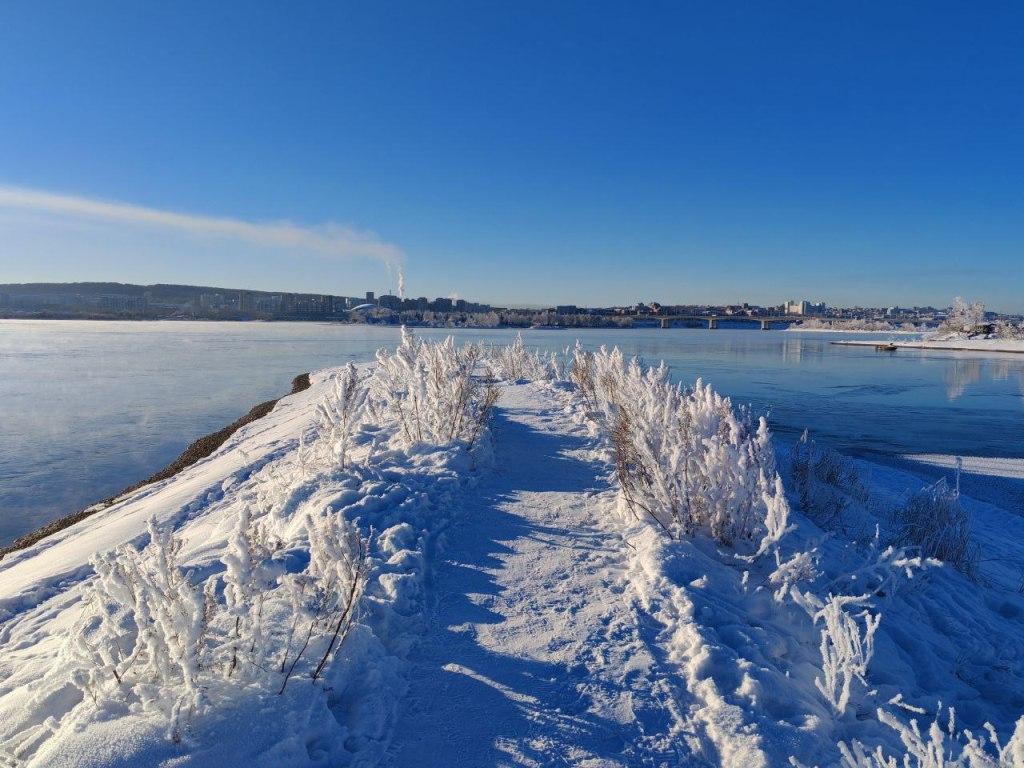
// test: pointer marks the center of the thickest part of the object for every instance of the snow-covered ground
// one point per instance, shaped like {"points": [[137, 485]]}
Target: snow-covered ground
{"points": [[978, 465], [514, 612], [964, 344], [869, 331]]}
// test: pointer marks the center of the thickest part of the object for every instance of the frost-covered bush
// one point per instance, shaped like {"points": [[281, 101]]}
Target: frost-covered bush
{"points": [[341, 411], [144, 636], [878, 569], [847, 626], [515, 362], [798, 568], [560, 365], [934, 520], [432, 391], [1003, 329], [582, 373], [829, 488], [324, 597], [154, 637], [685, 459], [846, 651], [939, 747], [248, 576]]}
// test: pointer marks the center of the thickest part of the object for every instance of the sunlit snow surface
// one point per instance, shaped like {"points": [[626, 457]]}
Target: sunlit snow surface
{"points": [[520, 621]]}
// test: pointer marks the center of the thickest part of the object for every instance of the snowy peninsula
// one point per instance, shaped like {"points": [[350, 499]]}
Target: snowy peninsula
{"points": [[470, 556]]}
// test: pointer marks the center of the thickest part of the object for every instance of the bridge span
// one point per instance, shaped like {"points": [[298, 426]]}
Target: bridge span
{"points": [[667, 321]]}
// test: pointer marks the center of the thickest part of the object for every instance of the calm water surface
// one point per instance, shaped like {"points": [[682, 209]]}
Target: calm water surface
{"points": [[87, 408]]}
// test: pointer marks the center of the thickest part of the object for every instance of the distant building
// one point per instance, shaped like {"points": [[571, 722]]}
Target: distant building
{"points": [[793, 307], [369, 297], [267, 303], [390, 301], [442, 304], [567, 309], [121, 303]]}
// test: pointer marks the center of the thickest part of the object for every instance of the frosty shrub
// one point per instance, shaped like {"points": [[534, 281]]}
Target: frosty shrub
{"points": [[151, 637], [250, 574], [685, 459], [432, 392], [879, 570], [516, 363], [325, 596], [560, 365], [845, 650], [1004, 329], [582, 374], [800, 567], [829, 487], [939, 747], [144, 635], [934, 520], [341, 411]]}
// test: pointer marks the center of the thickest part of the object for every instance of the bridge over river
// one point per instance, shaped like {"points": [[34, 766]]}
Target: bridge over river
{"points": [[668, 321]]}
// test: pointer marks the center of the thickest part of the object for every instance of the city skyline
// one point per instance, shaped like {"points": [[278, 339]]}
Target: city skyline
{"points": [[138, 298]]}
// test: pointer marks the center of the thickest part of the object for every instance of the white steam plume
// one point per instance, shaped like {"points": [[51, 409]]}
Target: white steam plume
{"points": [[330, 240]]}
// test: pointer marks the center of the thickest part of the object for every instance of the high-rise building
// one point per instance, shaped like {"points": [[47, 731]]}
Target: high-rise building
{"points": [[793, 307]]}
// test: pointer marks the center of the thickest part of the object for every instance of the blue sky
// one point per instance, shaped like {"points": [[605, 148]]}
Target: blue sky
{"points": [[522, 152]]}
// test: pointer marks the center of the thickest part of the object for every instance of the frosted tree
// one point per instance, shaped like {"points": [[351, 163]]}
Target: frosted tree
{"points": [[964, 317]]}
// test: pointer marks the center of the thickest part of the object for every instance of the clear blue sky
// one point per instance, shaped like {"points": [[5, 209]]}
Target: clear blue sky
{"points": [[521, 152]]}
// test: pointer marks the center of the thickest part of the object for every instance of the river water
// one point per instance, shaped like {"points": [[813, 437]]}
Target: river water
{"points": [[87, 408]]}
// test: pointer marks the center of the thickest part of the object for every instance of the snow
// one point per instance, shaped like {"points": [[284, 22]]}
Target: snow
{"points": [[514, 610], [533, 656], [853, 331], [977, 465], [963, 344]]}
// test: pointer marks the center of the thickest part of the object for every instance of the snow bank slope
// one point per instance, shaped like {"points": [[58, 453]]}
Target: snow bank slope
{"points": [[64, 556], [253, 643]]}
